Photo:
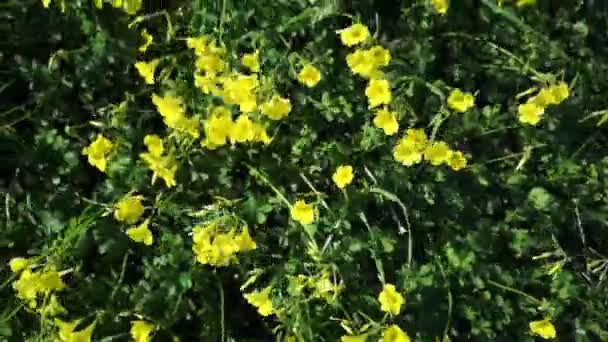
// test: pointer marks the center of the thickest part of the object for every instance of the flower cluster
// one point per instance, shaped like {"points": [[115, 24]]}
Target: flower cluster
{"points": [[36, 287], [215, 247], [415, 145], [172, 110], [321, 286], [129, 210], [261, 300], [533, 110], [161, 164]]}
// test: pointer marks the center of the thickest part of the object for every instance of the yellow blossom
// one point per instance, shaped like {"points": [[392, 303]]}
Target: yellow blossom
{"points": [[18, 264], [67, 333], [198, 44], [147, 69], [387, 121], [363, 63], [543, 328], [544, 98], [394, 334], [343, 176], [441, 6], [302, 212], [46, 3], [170, 108], [560, 92], [276, 108], [457, 161], [31, 284], [218, 127], [261, 300], [154, 144], [141, 233], [460, 101], [98, 151], [161, 166], [390, 300], [260, 134], [240, 89], [522, 3], [309, 75], [406, 154], [209, 62], [243, 130], [141, 330], [244, 241], [207, 83], [530, 113], [147, 37], [380, 55], [129, 209], [354, 34], [378, 92], [437, 153], [53, 307], [352, 338], [251, 61]]}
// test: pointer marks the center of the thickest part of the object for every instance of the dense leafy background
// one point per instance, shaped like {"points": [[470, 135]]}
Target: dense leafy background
{"points": [[467, 262]]}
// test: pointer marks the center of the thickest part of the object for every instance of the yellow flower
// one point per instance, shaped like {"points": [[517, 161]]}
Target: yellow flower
{"points": [[416, 138], [357, 338], [378, 92], [387, 121], [441, 6], [354, 34], [154, 144], [251, 61], [302, 212], [146, 70], [161, 166], [67, 333], [240, 89], [198, 44], [18, 264], [457, 161], [406, 153], [31, 284], [141, 233], [343, 176], [394, 334], [530, 113], [260, 133], [210, 63], [460, 102], [543, 328], [147, 40], [309, 76], [244, 241], [261, 300], [141, 330], [97, 152], [170, 108], [380, 55], [46, 3], [544, 98], [242, 130], [218, 127], [522, 3], [362, 62], [207, 83], [390, 300], [276, 108], [129, 209], [437, 153], [560, 92]]}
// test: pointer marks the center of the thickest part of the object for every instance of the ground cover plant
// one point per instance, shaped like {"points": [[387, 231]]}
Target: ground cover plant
{"points": [[303, 170]]}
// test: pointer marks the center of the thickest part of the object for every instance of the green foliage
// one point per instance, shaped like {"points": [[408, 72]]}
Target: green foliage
{"points": [[516, 236]]}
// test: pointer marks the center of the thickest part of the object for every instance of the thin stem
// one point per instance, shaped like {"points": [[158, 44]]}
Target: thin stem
{"points": [[519, 292]]}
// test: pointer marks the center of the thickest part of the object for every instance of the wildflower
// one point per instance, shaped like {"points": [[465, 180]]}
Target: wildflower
{"points": [[198, 44], [457, 161], [276, 108], [97, 152], [416, 138], [260, 133], [343, 176], [309, 75], [303, 212], [67, 333], [354, 34], [207, 83], [380, 55], [161, 166], [543, 328], [251, 61], [146, 70], [46, 3], [218, 127], [560, 92], [362, 62], [141, 233], [378, 92], [31, 284], [261, 300], [437, 153], [387, 121], [240, 90], [154, 144], [390, 300], [170, 108], [352, 338], [210, 62], [460, 102], [129, 209], [18, 264], [407, 154], [147, 40], [544, 98], [141, 330], [441, 6], [530, 113], [53, 307], [244, 241], [242, 130], [394, 334]]}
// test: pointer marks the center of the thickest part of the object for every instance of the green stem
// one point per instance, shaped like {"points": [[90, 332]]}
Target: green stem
{"points": [[519, 292]]}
